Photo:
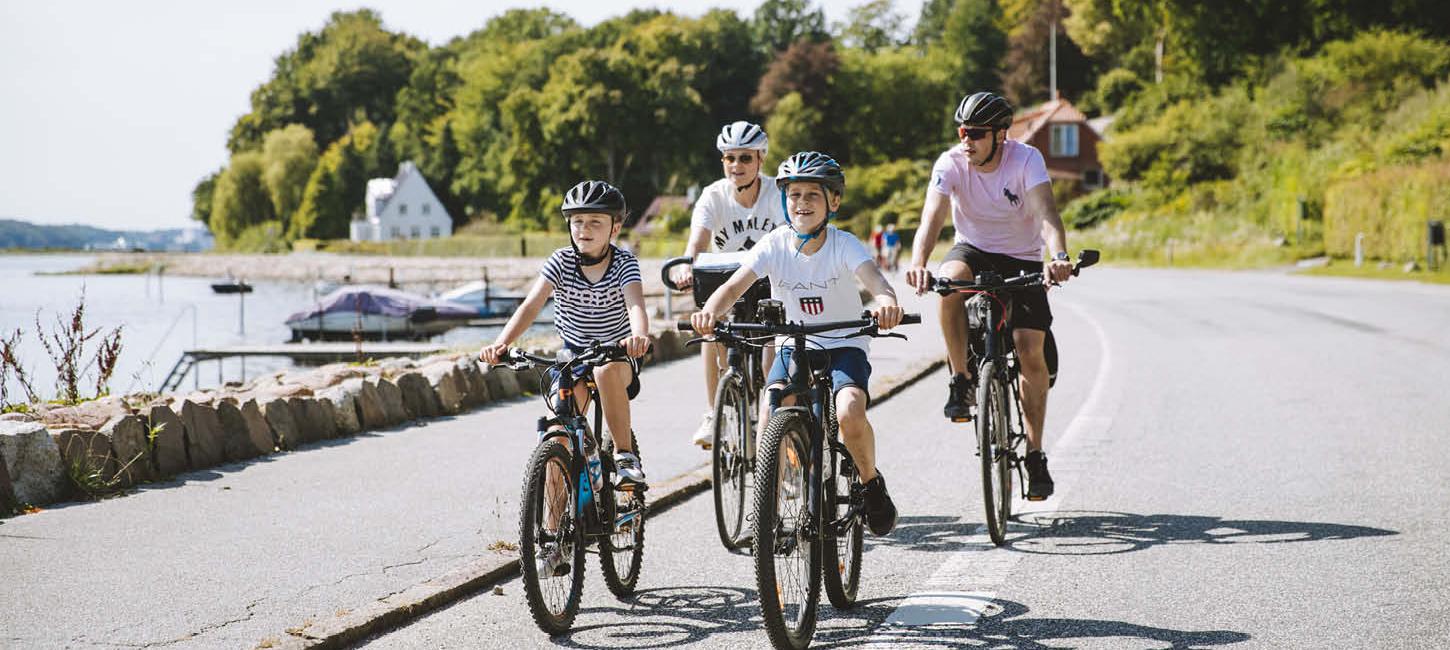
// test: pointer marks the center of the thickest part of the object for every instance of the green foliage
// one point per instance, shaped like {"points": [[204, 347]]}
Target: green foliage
{"points": [[240, 199], [1095, 208], [971, 47], [791, 127], [288, 157], [1390, 207], [872, 26], [265, 237], [1114, 89], [1189, 143], [890, 191], [336, 189], [891, 104], [201, 197], [779, 23]]}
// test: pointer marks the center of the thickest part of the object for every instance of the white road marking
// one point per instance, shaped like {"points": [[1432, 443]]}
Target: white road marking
{"points": [[963, 588]]}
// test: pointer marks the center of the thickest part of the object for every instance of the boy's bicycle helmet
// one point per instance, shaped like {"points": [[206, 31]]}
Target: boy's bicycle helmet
{"points": [[812, 167]]}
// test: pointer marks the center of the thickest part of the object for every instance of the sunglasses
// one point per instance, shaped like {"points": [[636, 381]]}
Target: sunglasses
{"points": [[745, 158], [974, 133]]}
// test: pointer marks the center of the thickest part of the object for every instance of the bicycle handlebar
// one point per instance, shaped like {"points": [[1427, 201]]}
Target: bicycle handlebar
{"points": [[791, 329], [990, 282], [597, 354], [665, 271]]}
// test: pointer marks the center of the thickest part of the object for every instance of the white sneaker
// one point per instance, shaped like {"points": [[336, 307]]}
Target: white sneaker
{"points": [[551, 562], [705, 435], [629, 469]]}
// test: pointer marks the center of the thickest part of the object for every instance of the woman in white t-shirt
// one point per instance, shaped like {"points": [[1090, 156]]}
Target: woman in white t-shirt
{"points": [[731, 215], [813, 268]]}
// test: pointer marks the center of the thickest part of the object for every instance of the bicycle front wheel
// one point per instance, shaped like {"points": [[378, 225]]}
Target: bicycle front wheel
{"points": [[621, 553], [551, 542], [729, 465], [841, 545], [787, 550], [993, 422]]}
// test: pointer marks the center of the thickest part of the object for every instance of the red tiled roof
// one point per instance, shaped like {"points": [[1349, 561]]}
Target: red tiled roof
{"points": [[1057, 111]]}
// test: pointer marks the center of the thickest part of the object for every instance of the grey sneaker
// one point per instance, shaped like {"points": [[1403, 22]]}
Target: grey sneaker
{"points": [[627, 466]]}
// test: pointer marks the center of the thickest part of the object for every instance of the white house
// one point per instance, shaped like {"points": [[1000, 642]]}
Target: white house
{"points": [[402, 207]]}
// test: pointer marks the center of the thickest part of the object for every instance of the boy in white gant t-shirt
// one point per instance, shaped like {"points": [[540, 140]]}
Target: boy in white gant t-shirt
{"points": [[812, 268]]}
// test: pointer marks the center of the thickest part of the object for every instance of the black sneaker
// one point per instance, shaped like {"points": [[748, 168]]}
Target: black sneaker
{"points": [[1039, 482], [960, 399], [880, 511]]}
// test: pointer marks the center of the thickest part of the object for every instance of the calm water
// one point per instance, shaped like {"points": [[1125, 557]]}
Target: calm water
{"points": [[160, 319]]}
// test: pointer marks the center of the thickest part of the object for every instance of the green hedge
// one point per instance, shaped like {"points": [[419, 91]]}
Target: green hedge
{"points": [[1391, 208]]}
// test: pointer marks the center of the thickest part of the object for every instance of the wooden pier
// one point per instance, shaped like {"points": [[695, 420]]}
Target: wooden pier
{"points": [[307, 353]]}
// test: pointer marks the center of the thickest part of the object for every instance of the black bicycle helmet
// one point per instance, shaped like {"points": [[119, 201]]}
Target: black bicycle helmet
{"points": [[985, 109], [811, 166], [595, 196]]}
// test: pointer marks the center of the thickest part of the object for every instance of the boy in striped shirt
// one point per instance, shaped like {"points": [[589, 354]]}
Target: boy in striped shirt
{"points": [[598, 296]]}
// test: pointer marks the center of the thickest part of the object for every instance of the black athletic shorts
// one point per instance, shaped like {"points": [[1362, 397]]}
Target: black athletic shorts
{"points": [[1029, 306]]}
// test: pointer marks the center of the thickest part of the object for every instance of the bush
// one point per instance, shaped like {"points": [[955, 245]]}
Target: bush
{"points": [[1114, 89], [265, 237], [1390, 207], [1095, 208], [1192, 141]]}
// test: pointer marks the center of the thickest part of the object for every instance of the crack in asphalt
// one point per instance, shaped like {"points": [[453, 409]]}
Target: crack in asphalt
{"points": [[206, 629]]}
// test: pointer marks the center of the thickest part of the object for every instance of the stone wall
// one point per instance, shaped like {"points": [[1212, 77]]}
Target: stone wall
{"points": [[106, 445]]}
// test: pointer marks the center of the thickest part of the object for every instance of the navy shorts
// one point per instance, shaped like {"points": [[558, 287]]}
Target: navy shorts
{"points": [[849, 367]]}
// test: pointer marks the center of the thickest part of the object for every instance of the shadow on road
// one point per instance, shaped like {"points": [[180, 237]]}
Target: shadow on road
{"points": [[678, 616], [1102, 533]]}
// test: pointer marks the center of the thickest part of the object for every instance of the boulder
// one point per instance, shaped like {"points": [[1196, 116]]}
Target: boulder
{"points": [[314, 421], [168, 448], [369, 403], [391, 398], [8, 503], [419, 400], [237, 442], [446, 379], [32, 461], [16, 417], [284, 391], [130, 446], [284, 426], [87, 415], [396, 366], [475, 386], [327, 376], [88, 459], [259, 433], [204, 438], [344, 410], [502, 384]]}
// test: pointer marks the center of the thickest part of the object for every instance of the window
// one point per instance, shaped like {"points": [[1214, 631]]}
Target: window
{"points": [[1092, 178], [417, 232], [436, 234], [396, 234], [402, 208], [427, 211], [1064, 141]]}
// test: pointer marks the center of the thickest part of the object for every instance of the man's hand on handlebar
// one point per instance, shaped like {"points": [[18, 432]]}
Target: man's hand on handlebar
{"points": [[888, 316], [1058, 271], [703, 322], [635, 346], [492, 354], [917, 277]]}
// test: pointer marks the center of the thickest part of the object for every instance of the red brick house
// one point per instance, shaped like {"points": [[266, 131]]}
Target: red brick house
{"points": [[1067, 142]]}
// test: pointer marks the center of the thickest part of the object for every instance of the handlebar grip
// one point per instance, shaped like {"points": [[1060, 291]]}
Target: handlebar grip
{"points": [[665, 271], [684, 326], [911, 319]]}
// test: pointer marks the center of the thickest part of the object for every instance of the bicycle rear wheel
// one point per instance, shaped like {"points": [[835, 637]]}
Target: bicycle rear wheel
{"points": [[787, 552], [730, 468], [554, 585], [993, 422]]}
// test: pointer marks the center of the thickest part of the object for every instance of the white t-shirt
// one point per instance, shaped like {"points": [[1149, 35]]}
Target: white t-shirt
{"points": [[989, 210], [734, 227], [814, 288]]}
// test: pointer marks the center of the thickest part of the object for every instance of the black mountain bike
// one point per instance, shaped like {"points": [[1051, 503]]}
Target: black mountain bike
{"points": [[737, 402], [1000, 431], [569, 499], [808, 499]]}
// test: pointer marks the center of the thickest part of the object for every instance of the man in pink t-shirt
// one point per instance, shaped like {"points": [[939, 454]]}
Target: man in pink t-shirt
{"points": [[1001, 204]]}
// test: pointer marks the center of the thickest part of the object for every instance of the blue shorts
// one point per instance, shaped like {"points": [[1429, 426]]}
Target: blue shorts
{"points": [[849, 367]]}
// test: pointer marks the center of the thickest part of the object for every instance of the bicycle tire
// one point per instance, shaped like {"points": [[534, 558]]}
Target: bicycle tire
{"points": [[841, 561], [994, 451], [621, 553], [729, 469], [784, 450], [553, 600]]}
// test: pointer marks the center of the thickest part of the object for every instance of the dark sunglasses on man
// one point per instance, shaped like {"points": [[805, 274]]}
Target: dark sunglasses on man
{"points": [[744, 158], [974, 132]]}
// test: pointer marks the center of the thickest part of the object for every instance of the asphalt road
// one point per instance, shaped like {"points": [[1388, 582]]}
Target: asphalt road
{"points": [[1249, 460]]}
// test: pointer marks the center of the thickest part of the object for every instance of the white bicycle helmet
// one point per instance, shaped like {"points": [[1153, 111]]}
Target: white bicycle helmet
{"points": [[741, 135]]}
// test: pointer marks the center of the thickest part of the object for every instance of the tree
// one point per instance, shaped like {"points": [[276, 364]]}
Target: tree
{"points": [[240, 199], [931, 23], [805, 69], [793, 126], [872, 26], [353, 65], [972, 46], [338, 185], [1026, 66], [778, 24], [288, 158], [201, 197], [890, 104]]}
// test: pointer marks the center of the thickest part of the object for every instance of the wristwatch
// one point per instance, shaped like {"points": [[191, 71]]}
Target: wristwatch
{"points": [[1060, 256]]}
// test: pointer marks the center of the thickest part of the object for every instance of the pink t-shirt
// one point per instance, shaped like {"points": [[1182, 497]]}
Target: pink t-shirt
{"points": [[989, 210]]}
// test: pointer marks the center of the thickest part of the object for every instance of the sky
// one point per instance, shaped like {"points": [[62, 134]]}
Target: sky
{"points": [[110, 112]]}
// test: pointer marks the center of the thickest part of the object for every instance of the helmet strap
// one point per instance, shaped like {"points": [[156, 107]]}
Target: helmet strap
{"points": [[741, 189], [585, 260], [993, 153]]}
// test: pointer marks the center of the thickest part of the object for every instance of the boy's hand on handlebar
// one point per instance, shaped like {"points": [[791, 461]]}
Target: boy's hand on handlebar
{"points": [[491, 354], [635, 346], [888, 316], [703, 322], [681, 276], [917, 277]]}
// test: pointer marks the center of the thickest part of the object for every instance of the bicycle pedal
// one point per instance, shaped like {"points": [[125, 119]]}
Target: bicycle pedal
{"points": [[966, 419], [1036, 498]]}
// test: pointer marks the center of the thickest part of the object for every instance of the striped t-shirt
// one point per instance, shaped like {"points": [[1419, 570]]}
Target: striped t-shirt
{"points": [[584, 311]]}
